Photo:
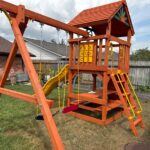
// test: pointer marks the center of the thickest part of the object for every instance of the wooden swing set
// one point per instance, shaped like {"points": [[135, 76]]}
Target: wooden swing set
{"points": [[104, 26]]}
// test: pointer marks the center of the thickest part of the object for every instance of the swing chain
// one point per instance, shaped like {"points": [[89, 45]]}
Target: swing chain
{"points": [[65, 82], [78, 73]]}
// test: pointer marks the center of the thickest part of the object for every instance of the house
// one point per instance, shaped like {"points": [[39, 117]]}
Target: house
{"points": [[46, 51], [17, 66], [47, 55]]}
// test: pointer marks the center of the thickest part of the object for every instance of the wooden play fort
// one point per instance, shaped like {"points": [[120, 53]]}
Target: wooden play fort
{"points": [[94, 32]]}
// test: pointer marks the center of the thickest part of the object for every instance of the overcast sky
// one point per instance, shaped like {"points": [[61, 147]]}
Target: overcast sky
{"points": [[65, 10]]}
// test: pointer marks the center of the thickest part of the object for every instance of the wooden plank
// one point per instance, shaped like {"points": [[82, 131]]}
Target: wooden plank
{"points": [[89, 68], [100, 53], [114, 118], [120, 41], [41, 99], [75, 40], [86, 118], [87, 97], [23, 96]]}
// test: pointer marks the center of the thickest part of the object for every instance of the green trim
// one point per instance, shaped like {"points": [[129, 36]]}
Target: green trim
{"points": [[122, 13]]}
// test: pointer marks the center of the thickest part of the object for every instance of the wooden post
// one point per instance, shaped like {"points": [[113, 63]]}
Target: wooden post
{"points": [[105, 97], [94, 82], [100, 52], [105, 76], [70, 75], [128, 51], [56, 140], [108, 32], [121, 58]]}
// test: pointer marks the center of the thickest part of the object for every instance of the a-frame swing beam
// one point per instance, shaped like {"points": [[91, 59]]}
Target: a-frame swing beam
{"points": [[56, 140], [40, 97], [19, 17], [13, 9]]}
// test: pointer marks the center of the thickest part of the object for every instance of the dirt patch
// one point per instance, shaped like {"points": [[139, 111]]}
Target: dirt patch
{"points": [[77, 134], [137, 146]]}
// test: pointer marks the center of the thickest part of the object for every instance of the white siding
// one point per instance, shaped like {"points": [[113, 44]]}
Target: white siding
{"points": [[44, 54]]}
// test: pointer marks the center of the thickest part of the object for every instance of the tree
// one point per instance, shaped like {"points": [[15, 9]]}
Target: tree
{"points": [[141, 54]]}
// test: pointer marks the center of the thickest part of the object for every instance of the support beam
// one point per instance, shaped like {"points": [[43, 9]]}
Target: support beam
{"points": [[120, 41], [13, 10], [41, 99], [23, 96], [76, 40]]}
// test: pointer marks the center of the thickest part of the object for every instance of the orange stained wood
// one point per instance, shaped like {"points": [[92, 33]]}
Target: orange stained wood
{"points": [[95, 14], [88, 97], [91, 61], [56, 140], [23, 96], [99, 16]]}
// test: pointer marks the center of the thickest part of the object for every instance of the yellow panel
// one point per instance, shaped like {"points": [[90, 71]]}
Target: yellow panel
{"points": [[81, 53], [85, 53], [81, 59], [81, 47], [86, 47], [85, 59], [90, 53], [91, 47], [90, 59]]}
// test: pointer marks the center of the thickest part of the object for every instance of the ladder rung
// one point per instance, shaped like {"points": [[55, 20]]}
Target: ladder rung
{"points": [[121, 81], [128, 93], [137, 121], [132, 107]]}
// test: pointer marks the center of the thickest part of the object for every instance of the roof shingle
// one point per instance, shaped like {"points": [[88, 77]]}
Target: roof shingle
{"points": [[59, 49], [5, 47], [95, 14]]}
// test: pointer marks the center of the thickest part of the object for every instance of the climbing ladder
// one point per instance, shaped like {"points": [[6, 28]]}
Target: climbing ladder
{"points": [[129, 99]]}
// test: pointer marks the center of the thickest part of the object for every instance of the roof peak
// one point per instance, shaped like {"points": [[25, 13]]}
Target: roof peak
{"points": [[3, 38], [98, 13], [103, 5], [44, 41]]}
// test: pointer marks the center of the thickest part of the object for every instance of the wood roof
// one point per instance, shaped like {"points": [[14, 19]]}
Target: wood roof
{"points": [[102, 15]]}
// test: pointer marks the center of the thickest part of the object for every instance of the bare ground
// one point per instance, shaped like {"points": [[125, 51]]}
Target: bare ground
{"points": [[81, 135]]}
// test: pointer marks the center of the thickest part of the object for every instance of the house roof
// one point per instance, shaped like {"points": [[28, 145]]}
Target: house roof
{"points": [[101, 15], [60, 50], [5, 47]]}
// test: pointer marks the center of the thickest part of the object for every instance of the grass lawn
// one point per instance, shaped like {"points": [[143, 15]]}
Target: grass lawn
{"points": [[20, 131], [18, 127]]}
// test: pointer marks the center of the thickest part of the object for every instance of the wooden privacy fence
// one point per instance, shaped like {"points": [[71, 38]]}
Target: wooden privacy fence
{"points": [[47, 67], [139, 70], [140, 73]]}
